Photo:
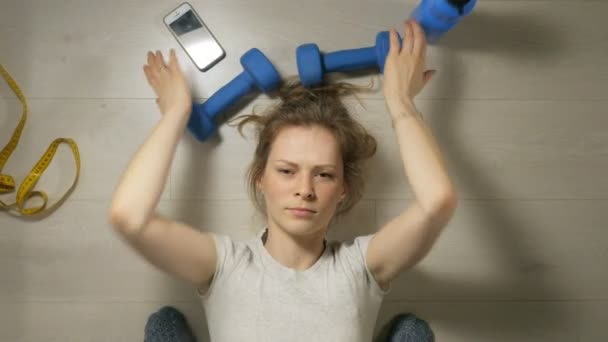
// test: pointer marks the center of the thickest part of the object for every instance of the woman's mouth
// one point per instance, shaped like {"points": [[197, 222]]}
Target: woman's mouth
{"points": [[301, 212]]}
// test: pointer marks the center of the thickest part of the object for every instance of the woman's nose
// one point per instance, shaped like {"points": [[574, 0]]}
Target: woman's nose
{"points": [[305, 188]]}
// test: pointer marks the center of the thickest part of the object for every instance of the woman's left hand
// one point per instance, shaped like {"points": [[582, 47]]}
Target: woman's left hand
{"points": [[404, 75]]}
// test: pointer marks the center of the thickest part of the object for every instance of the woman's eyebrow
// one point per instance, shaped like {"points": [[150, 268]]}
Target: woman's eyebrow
{"points": [[316, 166]]}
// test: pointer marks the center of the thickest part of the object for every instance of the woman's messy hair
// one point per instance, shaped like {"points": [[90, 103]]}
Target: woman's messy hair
{"points": [[312, 106]]}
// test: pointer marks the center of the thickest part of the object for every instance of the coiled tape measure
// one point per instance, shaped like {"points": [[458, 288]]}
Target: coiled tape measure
{"points": [[7, 183]]}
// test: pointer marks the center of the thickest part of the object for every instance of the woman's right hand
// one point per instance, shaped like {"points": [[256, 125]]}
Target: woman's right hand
{"points": [[173, 94]]}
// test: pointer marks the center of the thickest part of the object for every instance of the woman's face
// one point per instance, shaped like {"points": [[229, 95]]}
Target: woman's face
{"points": [[304, 170]]}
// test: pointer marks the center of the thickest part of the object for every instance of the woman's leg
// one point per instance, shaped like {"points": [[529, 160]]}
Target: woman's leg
{"points": [[168, 325], [406, 327]]}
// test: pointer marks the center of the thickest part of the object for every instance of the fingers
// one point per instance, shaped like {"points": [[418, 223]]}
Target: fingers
{"points": [[419, 39], [394, 43], [155, 61], [156, 65], [151, 59], [152, 69], [160, 63], [149, 75], [414, 40], [173, 62], [408, 39]]}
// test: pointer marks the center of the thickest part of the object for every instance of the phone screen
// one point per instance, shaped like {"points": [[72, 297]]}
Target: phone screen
{"points": [[198, 42]]}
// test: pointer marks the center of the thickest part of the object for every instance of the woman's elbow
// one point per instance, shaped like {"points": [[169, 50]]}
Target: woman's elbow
{"points": [[123, 222], [445, 207]]}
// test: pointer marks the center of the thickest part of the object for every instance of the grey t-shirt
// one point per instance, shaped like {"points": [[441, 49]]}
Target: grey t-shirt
{"points": [[253, 298]]}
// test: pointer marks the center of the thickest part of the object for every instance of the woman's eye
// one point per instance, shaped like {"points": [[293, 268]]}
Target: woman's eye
{"points": [[323, 174]]}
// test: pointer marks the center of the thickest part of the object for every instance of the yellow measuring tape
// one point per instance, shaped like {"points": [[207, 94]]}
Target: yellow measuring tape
{"points": [[7, 184]]}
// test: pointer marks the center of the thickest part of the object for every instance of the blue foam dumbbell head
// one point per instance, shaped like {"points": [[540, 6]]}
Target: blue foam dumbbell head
{"points": [[259, 72], [260, 69], [439, 16], [310, 64], [200, 124]]}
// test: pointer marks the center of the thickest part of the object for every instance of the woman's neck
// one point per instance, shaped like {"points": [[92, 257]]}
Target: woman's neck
{"points": [[298, 253]]}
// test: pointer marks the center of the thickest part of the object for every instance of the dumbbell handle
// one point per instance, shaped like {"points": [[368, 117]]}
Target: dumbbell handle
{"points": [[354, 59], [202, 119], [258, 72], [362, 58], [227, 95]]}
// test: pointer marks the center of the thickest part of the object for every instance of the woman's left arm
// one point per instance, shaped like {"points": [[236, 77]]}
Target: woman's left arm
{"points": [[406, 239]]}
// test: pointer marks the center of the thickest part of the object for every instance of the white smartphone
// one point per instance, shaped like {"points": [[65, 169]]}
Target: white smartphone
{"points": [[194, 37]]}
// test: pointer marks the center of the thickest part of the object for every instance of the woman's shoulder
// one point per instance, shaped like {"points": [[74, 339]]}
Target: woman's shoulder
{"points": [[231, 246], [352, 248]]}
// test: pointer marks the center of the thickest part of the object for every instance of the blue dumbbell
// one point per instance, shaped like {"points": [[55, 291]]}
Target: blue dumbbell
{"points": [[312, 64], [259, 72], [439, 16], [434, 16]]}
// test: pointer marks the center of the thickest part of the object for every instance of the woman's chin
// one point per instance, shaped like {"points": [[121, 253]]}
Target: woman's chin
{"points": [[302, 228]]}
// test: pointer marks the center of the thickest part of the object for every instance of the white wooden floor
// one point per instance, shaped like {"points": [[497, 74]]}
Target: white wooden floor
{"points": [[519, 107]]}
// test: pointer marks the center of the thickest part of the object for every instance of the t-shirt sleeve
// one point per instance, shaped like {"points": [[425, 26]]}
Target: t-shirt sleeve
{"points": [[357, 252], [226, 254]]}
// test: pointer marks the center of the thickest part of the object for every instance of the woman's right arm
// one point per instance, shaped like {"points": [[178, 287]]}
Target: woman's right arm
{"points": [[138, 192], [171, 246], [140, 187], [177, 249]]}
